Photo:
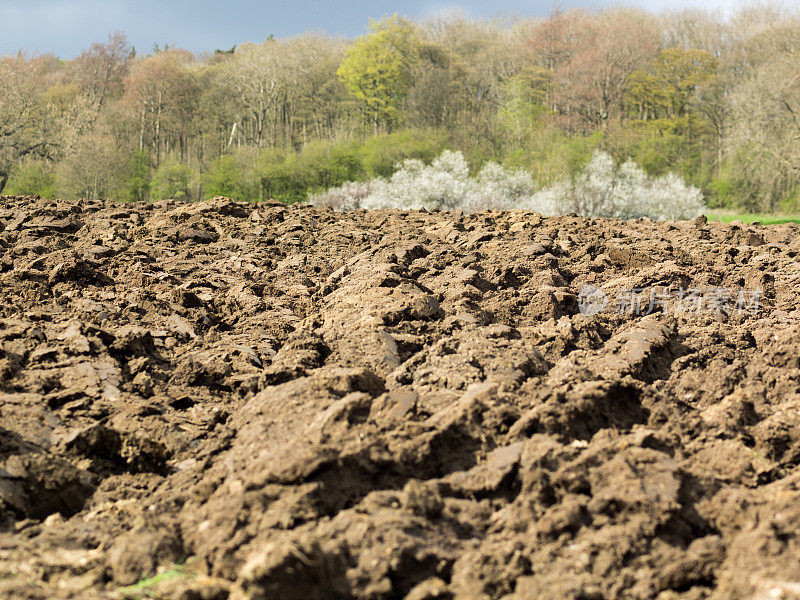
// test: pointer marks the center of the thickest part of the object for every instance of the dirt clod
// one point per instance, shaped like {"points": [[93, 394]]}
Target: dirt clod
{"points": [[265, 401]]}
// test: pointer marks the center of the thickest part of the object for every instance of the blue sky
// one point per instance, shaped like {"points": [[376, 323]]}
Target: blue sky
{"points": [[65, 27]]}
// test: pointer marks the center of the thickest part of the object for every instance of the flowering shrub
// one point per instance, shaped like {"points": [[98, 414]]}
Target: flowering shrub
{"points": [[444, 184], [600, 189], [347, 197], [498, 188]]}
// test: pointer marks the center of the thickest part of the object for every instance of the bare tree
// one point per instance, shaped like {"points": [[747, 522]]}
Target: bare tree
{"points": [[763, 136], [313, 98], [590, 58], [24, 129], [161, 90], [257, 74], [100, 71]]}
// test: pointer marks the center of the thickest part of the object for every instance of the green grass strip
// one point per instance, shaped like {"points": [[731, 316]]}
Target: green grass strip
{"points": [[726, 217]]}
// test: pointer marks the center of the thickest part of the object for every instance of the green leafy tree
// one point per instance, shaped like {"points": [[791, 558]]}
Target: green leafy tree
{"points": [[95, 169], [32, 176], [381, 154], [665, 88], [318, 166], [524, 103], [233, 176], [377, 69], [171, 180], [134, 182]]}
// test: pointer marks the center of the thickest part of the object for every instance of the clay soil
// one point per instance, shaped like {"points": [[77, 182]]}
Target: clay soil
{"points": [[224, 400]]}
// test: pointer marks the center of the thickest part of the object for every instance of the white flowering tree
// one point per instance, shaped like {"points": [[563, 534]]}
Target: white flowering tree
{"points": [[600, 189]]}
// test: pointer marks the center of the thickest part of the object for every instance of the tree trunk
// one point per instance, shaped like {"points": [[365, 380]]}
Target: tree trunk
{"points": [[141, 127], [158, 131]]}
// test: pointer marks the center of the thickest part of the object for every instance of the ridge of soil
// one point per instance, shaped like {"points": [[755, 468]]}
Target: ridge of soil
{"points": [[292, 403]]}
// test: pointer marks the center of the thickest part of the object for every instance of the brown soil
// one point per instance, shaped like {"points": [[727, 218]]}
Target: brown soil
{"points": [[293, 403]]}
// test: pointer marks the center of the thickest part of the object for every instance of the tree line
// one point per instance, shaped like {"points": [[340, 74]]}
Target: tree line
{"points": [[715, 100]]}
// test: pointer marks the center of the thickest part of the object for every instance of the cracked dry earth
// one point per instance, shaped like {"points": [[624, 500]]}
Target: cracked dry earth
{"points": [[260, 401]]}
